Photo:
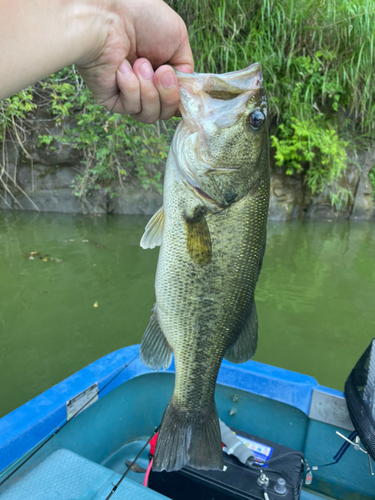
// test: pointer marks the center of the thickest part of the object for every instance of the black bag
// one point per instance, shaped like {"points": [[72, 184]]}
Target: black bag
{"points": [[360, 398]]}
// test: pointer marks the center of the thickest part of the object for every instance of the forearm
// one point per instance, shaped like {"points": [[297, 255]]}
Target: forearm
{"points": [[122, 49], [40, 37]]}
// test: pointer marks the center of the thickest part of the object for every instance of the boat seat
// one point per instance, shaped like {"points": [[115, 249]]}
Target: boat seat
{"points": [[64, 475]]}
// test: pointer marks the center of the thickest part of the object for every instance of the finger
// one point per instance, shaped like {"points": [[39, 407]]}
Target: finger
{"points": [[167, 86], [150, 99], [183, 57], [130, 92], [185, 68]]}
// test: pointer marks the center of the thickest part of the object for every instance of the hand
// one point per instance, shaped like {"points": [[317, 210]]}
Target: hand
{"points": [[101, 38], [145, 34]]}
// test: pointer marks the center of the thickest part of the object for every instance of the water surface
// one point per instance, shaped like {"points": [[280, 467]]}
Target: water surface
{"points": [[315, 296]]}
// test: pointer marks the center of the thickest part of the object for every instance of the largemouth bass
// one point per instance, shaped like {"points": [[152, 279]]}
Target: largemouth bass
{"points": [[212, 232]]}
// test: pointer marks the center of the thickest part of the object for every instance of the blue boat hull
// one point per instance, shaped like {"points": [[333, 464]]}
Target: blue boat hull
{"points": [[270, 402]]}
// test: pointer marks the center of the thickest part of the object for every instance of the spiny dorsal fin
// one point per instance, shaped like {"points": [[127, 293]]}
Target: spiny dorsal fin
{"points": [[244, 347], [155, 352], [153, 234], [198, 239]]}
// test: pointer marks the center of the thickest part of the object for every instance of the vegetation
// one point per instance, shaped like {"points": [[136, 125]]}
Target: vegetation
{"points": [[318, 59], [112, 146], [318, 67]]}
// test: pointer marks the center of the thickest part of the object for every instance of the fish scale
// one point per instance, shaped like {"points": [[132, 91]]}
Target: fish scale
{"points": [[212, 244]]}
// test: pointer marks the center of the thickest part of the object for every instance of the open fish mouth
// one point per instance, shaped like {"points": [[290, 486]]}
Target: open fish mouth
{"points": [[233, 83]]}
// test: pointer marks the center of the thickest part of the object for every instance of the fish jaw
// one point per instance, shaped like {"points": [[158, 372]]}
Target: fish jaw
{"points": [[194, 87], [215, 149]]}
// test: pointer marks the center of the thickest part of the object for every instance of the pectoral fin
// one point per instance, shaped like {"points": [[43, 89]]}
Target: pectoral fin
{"points": [[244, 347], [155, 352], [198, 239], [153, 234]]}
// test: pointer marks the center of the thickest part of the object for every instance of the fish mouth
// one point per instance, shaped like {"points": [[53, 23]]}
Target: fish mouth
{"points": [[241, 80]]}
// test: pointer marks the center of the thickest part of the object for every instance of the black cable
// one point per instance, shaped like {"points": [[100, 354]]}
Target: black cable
{"points": [[58, 429], [131, 465]]}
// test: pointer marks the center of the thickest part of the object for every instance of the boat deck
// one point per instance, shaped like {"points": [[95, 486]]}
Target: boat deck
{"points": [[88, 455], [65, 475]]}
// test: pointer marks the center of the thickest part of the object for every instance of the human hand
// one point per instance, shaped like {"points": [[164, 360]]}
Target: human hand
{"points": [[145, 34]]}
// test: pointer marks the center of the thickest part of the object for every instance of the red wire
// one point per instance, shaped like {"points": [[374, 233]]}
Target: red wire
{"points": [[145, 481]]}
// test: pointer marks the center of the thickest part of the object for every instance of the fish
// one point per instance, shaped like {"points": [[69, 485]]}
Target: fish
{"points": [[211, 231]]}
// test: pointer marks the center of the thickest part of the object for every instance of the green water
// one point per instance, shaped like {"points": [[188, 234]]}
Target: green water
{"points": [[315, 297]]}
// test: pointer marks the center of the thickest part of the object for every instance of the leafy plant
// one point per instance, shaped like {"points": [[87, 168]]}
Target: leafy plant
{"points": [[312, 147], [318, 67], [111, 146]]}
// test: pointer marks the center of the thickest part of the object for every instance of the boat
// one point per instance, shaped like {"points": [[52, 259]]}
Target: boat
{"points": [[80, 439]]}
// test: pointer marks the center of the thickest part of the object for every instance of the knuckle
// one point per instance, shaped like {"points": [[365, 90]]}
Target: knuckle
{"points": [[131, 87], [149, 120], [129, 84], [150, 95], [135, 110], [131, 108], [166, 115], [170, 100]]}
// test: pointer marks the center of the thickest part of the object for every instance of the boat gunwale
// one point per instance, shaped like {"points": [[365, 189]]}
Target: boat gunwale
{"points": [[25, 427]]}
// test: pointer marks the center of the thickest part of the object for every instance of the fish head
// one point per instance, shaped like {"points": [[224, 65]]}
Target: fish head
{"points": [[222, 144]]}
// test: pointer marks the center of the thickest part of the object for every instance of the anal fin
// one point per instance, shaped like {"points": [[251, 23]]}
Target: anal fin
{"points": [[153, 235], [244, 347], [155, 352]]}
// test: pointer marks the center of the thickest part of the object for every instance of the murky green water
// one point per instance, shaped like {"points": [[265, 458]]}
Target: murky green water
{"points": [[315, 297]]}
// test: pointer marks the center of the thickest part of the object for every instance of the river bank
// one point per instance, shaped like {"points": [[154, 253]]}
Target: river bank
{"points": [[45, 181]]}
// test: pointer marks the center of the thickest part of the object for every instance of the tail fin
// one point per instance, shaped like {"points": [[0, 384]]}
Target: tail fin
{"points": [[189, 437]]}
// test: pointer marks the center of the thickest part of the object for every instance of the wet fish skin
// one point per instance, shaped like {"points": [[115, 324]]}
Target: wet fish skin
{"points": [[216, 196]]}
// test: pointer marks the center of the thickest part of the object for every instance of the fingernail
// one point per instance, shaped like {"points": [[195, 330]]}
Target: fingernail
{"points": [[125, 67], [167, 80], [146, 71]]}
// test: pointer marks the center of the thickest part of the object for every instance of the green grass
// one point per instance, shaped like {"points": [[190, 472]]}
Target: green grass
{"points": [[318, 67], [321, 52], [318, 59]]}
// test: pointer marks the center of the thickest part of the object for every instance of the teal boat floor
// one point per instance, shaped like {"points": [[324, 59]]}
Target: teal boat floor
{"points": [[117, 461], [65, 475]]}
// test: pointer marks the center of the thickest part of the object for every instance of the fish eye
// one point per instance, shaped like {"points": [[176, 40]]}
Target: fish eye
{"points": [[256, 119]]}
